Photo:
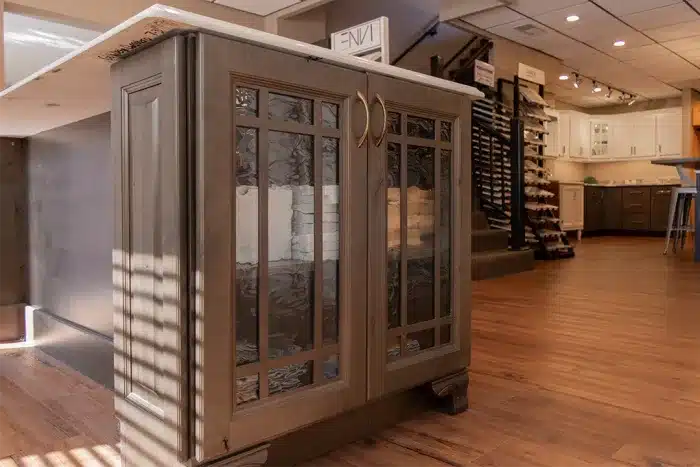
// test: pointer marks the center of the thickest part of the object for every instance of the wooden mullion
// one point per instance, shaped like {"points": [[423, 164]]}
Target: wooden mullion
{"points": [[416, 327], [437, 233], [263, 244], [318, 241], [413, 141], [404, 229]]}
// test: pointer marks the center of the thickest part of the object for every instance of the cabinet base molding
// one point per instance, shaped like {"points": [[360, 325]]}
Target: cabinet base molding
{"points": [[254, 457], [452, 389]]}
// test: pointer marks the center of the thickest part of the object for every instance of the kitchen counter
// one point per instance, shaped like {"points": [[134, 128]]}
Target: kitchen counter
{"points": [[77, 86]]}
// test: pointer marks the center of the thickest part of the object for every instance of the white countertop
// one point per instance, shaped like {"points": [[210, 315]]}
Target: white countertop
{"points": [[77, 86]]}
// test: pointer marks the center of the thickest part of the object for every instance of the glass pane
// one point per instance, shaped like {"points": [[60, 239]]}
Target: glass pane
{"points": [[331, 367], [290, 377], [446, 131], [445, 232], [329, 114], [394, 123], [393, 195], [445, 334], [290, 243], [247, 389], [291, 109], [247, 101], [420, 340], [394, 348], [246, 245], [331, 238], [420, 234], [419, 127]]}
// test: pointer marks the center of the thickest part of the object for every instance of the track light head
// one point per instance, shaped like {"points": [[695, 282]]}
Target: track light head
{"points": [[608, 95], [633, 100], [577, 81], [596, 87]]}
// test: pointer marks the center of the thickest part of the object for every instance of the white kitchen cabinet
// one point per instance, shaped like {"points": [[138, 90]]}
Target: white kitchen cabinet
{"points": [[622, 138], [669, 138], [644, 144], [563, 133], [571, 209], [551, 138], [600, 131], [579, 136]]}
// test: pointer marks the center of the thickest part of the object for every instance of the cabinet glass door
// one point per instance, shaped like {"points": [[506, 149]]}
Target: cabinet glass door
{"points": [[600, 138], [415, 273], [284, 205]]}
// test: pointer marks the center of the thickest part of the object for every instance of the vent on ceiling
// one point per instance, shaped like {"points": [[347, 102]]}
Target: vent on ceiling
{"points": [[530, 30]]}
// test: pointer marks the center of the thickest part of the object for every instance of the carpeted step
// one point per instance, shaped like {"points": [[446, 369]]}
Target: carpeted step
{"points": [[489, 240], [492, 264], [479, 221]]}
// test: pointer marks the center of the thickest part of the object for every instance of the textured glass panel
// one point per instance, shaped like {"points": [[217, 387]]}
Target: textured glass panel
{"points": [[290, 243], [420, 234], [445, 232], [247, 389], [445, 334], [331, 239], [393, 350], [393, 234], [246, 245], [331, 367], [290, 377], [247, 101], [290, 108], [329, 114], [291, 159], [446, 131], [394, 123], [420, 340], [419, 127]]}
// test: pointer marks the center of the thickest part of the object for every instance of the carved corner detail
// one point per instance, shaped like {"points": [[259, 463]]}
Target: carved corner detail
{"points": [[255, 457], [452, 390]]}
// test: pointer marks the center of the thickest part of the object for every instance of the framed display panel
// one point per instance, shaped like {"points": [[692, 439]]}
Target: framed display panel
{"points": [[419, 275], [282, 240]]}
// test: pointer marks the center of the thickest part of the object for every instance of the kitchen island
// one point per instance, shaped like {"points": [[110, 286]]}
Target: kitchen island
{"points": [[292, 235]]}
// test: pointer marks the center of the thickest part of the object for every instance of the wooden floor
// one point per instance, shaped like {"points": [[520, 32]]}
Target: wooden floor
{"points": [[590, 361]]}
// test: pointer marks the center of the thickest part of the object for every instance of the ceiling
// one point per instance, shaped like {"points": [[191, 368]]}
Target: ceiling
{"points": [[259, 7], [661, 54]]}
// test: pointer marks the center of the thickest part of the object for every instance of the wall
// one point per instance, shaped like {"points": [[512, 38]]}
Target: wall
{"points": [[13, 238], [631, 170], [70, 221], [407, 18]]}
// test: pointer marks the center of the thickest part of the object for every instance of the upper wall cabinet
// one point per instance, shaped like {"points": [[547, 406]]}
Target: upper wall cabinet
{"points": [[634, 135]]}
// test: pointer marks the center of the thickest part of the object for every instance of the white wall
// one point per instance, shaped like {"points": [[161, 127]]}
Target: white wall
{"points": [[567, 171]]}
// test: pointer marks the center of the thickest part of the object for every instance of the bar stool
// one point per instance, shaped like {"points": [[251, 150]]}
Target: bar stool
{"points": [[679, 215]]}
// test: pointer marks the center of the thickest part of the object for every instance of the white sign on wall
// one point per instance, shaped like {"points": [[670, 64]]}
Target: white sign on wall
{"points": [[484, 73], [531, 74], [368, 40]]}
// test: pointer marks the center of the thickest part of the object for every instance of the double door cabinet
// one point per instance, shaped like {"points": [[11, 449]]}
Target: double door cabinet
{"points": [[629, 208], [293, 242]]}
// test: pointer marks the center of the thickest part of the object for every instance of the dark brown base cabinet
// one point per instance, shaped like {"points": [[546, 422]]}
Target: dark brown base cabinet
{"points": [[634, 209], [293, 242]]}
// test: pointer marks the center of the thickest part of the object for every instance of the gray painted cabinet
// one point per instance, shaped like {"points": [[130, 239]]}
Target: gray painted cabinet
{"points": [[293, 242]]}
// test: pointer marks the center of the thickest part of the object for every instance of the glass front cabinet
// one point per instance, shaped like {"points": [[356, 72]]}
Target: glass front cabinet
{"points": [[293, 242]]}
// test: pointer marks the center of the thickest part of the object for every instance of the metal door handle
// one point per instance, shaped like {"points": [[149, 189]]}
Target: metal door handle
{"points": [[386, 118], [659, 149], [363, 138]]}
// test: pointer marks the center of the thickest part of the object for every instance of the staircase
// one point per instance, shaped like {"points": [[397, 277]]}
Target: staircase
{"points": [[491, 257]]}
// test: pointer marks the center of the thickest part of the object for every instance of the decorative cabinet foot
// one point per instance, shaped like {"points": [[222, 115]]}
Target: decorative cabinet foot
{"points": [[255, 457], [452, 391]]}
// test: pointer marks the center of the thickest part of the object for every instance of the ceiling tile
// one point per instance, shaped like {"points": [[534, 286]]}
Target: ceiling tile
{"points": [[632, 38], [263, 8], [491, 18], [622, 7], [690, 55], [538, 7], [661, 17], [675, 31], [682, 45], [636, 53]]}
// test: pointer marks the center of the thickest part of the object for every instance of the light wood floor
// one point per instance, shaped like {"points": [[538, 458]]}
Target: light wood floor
{"points": [[590, 361]]}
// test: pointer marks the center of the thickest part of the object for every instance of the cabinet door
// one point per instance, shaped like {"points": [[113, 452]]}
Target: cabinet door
{"points": [[644, 135], [564, 133], [575, 142], [600, 132], [660, 204], [669, 134], [622, 138], [571, 208], [282, 243], [611, 208], [551, 139], [420, 271]]}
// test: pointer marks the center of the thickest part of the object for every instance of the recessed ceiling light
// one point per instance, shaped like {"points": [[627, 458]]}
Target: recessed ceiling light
{"points": [[572, 18], [619, 43], [563, 77]]}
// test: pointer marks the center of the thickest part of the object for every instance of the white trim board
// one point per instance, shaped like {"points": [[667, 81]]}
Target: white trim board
{"points": [[77, 86]]}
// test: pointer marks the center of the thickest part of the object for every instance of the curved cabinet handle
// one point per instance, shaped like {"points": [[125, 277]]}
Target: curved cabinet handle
{"points": [[363, 138], [386, 118]]}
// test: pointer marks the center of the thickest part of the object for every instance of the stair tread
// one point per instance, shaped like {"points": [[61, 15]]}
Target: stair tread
{"points": [[489, 233], [501, 254]]}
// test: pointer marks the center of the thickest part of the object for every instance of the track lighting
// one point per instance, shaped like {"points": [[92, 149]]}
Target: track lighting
{"points": [[634, 99], [596, 88], [608, 95], [577, 81]]}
